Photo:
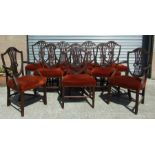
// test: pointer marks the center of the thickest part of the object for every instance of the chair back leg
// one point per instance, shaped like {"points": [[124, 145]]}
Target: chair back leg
{"points": [[129, 94], [8, 97], [22, 104], [93, 97], [143, 96], [45, 95], [63, 96], [137, 102], [109, 94]]}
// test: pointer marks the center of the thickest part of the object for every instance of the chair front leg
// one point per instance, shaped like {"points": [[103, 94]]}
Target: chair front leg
{"points": [[35, 91], [45, 94], [129, 94], [8, 97], [137, 102], [143, 95], [109, 94], [22, 103], [62, 96], [93, 97], [118, 90]]}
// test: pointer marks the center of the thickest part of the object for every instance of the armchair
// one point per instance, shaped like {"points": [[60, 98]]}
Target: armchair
{"points": [[135, 81], [16, 80]]}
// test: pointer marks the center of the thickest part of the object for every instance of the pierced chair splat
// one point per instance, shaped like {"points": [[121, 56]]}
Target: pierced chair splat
{"points": [[38, 57], [90, 48], [63, 61], [115, 51]]}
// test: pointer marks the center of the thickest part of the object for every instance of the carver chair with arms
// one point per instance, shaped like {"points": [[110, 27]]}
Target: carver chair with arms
{"points": [[16, 81], [135, 81]]}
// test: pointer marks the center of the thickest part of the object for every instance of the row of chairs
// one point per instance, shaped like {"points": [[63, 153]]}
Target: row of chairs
{"points": [[80, 66], [102, 54]]}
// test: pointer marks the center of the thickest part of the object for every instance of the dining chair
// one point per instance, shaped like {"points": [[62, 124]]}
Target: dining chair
{"points": [[103, 69], [50, 68], [76, 76], [135, 81], [17, 82], [115, 50], [38, 56], [90, 48], [63, 60]]}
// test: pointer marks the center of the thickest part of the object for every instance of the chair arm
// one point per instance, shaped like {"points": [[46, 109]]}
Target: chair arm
{"points": [[147, 67], [122, 62], [27, 62], [7, 70]]}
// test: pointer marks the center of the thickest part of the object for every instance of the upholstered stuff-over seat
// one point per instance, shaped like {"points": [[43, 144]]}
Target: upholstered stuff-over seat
{"points": [[27, 83], [103, 71], [70, 80], [33, 67], [50, 72], [120, 67], [128, 82]]}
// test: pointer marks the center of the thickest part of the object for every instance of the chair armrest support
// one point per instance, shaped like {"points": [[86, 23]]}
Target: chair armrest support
{"points": [[7, 70], [114, 70], [147, 67], [38, 73]]}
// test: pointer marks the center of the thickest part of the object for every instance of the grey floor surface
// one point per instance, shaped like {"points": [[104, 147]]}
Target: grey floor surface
{"points": [[119, 108]]}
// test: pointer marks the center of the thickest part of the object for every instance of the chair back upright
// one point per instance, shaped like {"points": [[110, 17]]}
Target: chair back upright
{"points": [[90, 48], [78, 57], [103, 58], [12, 61], [114, 50], [38, 52], [138, 62], [63, 50], [49, 58]]}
